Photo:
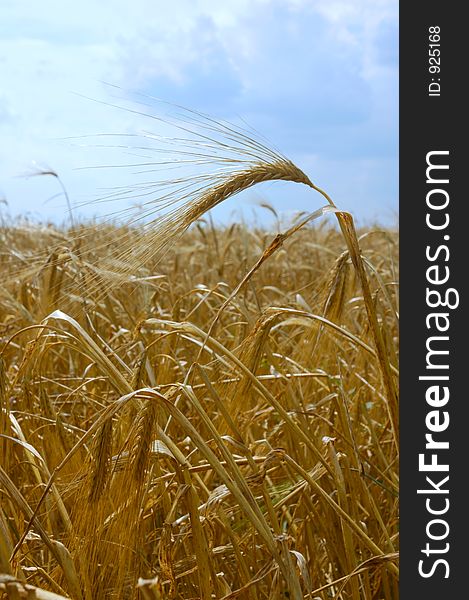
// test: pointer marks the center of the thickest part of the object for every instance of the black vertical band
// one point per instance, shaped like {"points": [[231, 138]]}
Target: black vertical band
{"points": [[434, 364]]}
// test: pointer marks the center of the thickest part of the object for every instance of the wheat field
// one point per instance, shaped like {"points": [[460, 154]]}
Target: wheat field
{"points": [[196, 411]]}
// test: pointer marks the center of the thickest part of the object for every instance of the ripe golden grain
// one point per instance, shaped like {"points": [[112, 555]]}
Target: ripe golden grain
{"points": [[217, 424]]}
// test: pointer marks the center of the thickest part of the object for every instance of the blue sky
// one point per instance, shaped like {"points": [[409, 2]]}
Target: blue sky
{"points": [[318, 78]]}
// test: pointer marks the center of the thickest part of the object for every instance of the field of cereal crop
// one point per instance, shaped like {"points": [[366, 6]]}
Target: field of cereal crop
{"points": [[199, 411]]}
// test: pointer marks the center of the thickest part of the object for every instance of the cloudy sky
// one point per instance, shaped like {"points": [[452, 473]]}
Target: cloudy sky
{"points": [[318, 78]]}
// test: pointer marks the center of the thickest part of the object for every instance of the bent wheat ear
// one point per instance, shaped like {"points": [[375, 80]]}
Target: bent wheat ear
{"points": [[280, 170], [232, 184], [161, 233]]}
